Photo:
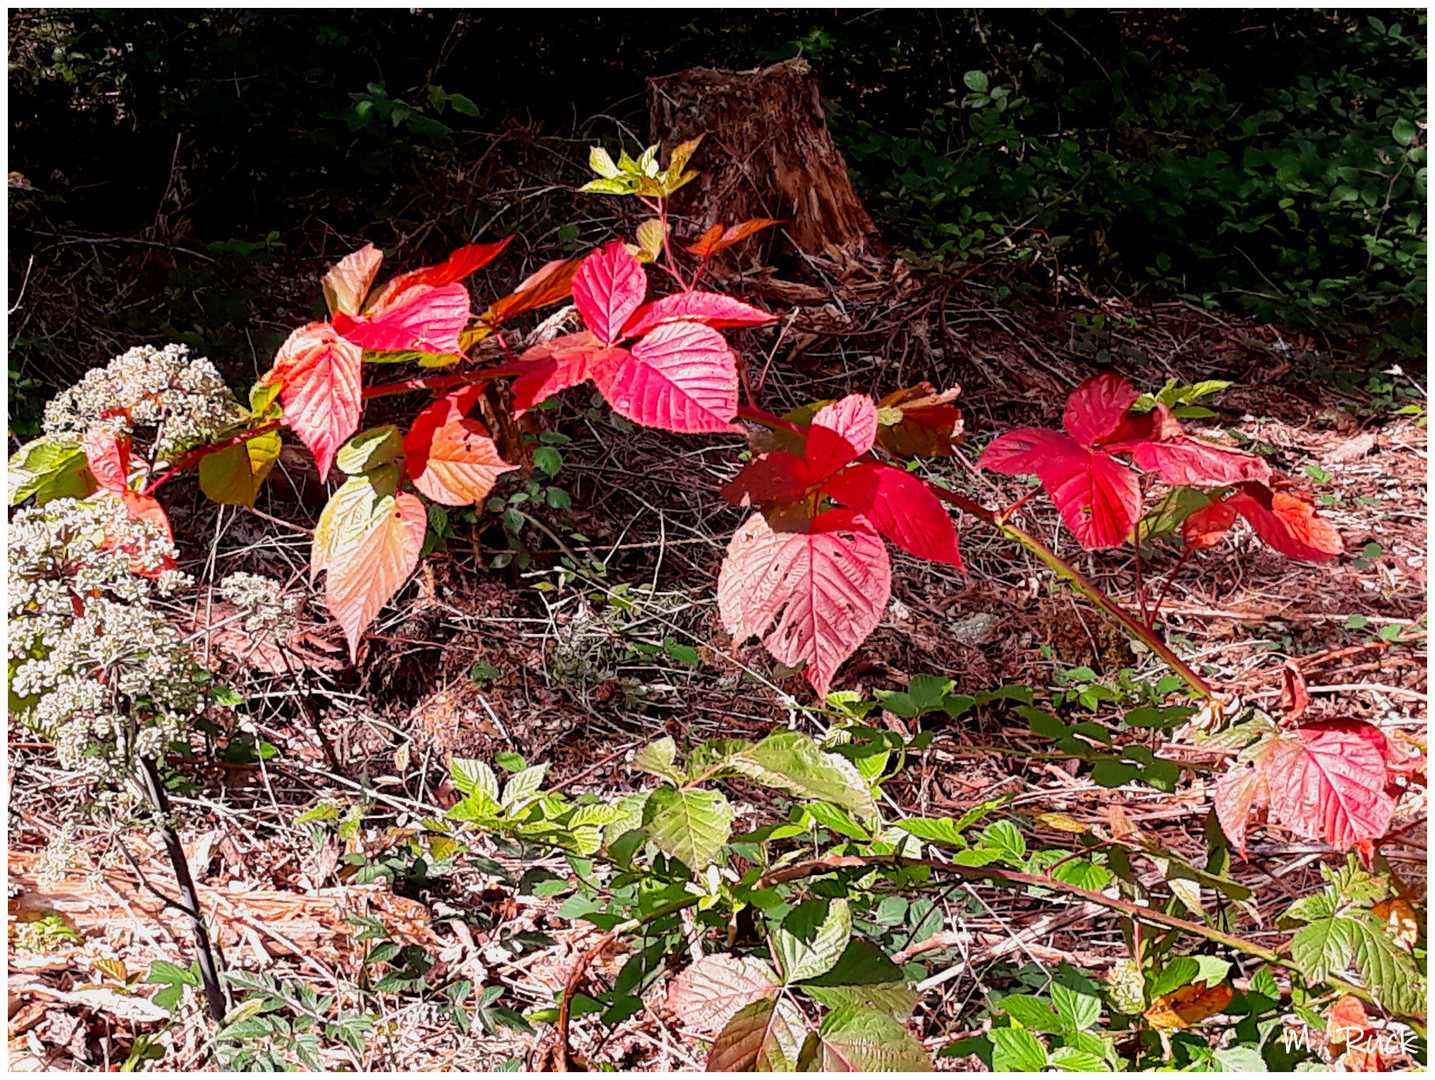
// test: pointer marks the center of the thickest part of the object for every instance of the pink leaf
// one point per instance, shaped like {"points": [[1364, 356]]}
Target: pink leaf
{"points": [[426, 318], [710, 309], [681, 377], [902, 508], [109, 460], [813, 597], [1327, 782], [1241, 790], [349, 280], [706, 994], [449, 456], [1098, 497], [1097, 407], [1025, 451], [608, 288], [840, 432], [555, 366], [1192, 462], [1288, 524], [319, 375]]}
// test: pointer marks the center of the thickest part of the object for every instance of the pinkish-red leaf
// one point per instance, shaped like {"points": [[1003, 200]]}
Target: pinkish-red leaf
{"points": [[1208, 526], [710, 309], [551, 283], [840, 432], [1295, 696], [1242, 789], [706, 994], [680, 377], [1327, 782], [554, 366], [109, 460], [463, 262], [349, 280], [813, 597], [449, 456], [140, 508], [774, 475], [1097, 407], [1098, 497], [319, 376], [1186, 461], [902, 508], [425, 318], [1288, 524], [1026, 451], [608, 288]]}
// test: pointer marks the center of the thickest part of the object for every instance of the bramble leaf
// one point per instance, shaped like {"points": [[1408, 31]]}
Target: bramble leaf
{"points": [[680, 377], [918, 422], [1190, 461], [234, 475], [1288, 524], [319, 375], [1328, 782], [812, 938], [551, 283], [764, 1036], [689, 825], [902, 508], [811, 596], [461, 264], [839, 433], [109, 460], [349, 280], [1095, 410], [608, 287], [450, 457], [707, 994], [717, 238], [48, 471], [556, 365], [859, 1039], [709, 309], [791, 761], [427, 318]]}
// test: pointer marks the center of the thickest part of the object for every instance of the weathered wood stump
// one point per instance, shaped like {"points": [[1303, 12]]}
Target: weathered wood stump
{"points": [[767, 152]]}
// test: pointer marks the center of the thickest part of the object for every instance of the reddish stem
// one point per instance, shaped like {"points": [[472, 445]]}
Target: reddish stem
{"points": [[445, 382], [198, 454]]}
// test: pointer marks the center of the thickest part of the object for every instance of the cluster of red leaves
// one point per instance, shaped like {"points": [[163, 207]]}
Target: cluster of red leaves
{"points": [[679, 376], [1099, 496], [813, 582]]}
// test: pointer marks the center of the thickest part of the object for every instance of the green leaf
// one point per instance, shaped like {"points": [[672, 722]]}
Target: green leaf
{"points": [[1179, 971], [836, 819], [462, 105], [861, 964], [1076, 999], [473, 777], [791, 761], [371, 449], [691, 826], [1404, 131], [896, 999], [1016, 1050], [48, 471], [162, 971], [976, 82], [1006, 837], [765, 1036], [1030, 1012], [943, 831], [812, 938], [548, 460], [1069, 1059], [859, 1039], [657, 758], [522, 786], [234, 475]]}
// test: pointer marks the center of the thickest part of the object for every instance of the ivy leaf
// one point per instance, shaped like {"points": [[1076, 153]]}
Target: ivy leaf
{"points": [[765, 1036], [680, 377], [450, 457], [369, 543], [691, 825], [791, 761], [706, 995], [709, 309], [859, 1039], [234, 475], [319, 375], [608, 287], [812, 938], [813, 597]]}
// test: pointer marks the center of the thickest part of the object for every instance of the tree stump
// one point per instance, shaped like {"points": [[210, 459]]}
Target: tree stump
{"points": [[767, 152]]}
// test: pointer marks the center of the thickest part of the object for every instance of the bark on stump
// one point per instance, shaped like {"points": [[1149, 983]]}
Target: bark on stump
{"points": [[767, 152]]}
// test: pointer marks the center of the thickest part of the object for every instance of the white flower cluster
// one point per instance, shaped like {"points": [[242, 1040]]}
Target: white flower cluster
{"points": [[184, 400], [264, 605], [98, 669]]}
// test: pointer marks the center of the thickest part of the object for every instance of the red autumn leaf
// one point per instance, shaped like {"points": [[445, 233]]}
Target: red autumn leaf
{"points": [[1095, 410], [1098, 497], [1295, 698], [449, 456], [680, 377], [1324, 781], [369, 543], [839, 433], [1208, 526], [1186, 461], [140, 508], [1288, 524], [774, 475], [554, 366], [109, 460], [319, 376], [463, 262], [1348, 1029], [424, 317], [902, 508], [349, 280], [608, 288], [1026, 451], [710, 309], [918, 422], [717, 238], [813, 597], [551, 283]]}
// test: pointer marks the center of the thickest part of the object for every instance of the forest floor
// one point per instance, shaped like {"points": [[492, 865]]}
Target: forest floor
{"points": [[580, 666]]}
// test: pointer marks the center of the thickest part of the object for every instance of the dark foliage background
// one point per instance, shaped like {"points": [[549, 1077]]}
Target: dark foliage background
{"points": [[1271, 161]]}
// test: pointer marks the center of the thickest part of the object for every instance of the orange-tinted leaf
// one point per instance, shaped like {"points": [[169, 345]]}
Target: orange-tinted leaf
{"points": [[813, 597], [1208, 526], [319, 377], [1295, 698], [1287, 523], [1189, 1005], [349, 280], [450, 457], [1400, 919], [550, 284], [371, 546], [918, 422], [463, 262], [717, 238], [1350, 1032]]}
